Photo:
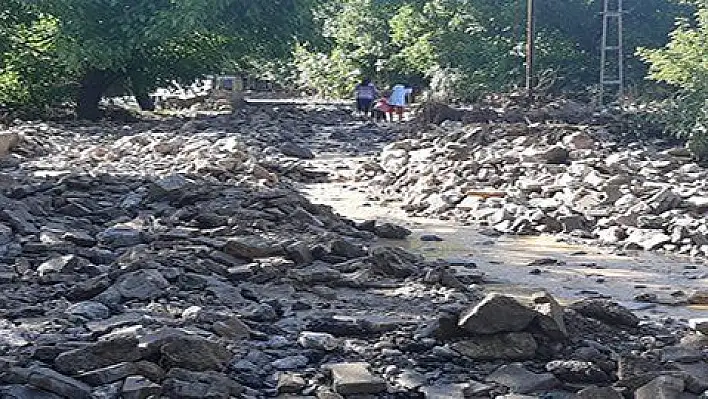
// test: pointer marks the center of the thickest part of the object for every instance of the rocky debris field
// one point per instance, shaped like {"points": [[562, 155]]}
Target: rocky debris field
{"points": [[174, 259], [550, 178]]}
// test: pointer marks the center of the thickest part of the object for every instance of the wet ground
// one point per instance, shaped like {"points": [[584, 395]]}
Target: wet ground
{"points": [[568, 270]]}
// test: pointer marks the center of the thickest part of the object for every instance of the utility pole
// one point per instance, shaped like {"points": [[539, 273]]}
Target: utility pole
{"points": [[530, 26], [612, 53]]}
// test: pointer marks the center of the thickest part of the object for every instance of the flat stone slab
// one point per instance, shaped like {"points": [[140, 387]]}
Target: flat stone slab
{"points": [[107, 375], [606, 311], [450, 391], [355, 378], [138, 387], [522, 381], [98, 355], [251, 247], [512, 346], [698, 371], [599, 393], [59, 384], [25, 391], [680, 354], [661, 387]]}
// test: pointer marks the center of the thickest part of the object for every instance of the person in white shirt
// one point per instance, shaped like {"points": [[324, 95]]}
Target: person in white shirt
{"points": [[398, 99]]}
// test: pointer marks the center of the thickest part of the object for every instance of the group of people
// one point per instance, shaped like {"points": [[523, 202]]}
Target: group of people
{"points": [[368, 101]]}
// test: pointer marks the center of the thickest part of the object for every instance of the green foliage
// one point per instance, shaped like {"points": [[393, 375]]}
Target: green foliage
{"points": [[118, 35], [683, 63], [328, 75], [30, 74], [136, 45], [460, 48], [477, 46]]}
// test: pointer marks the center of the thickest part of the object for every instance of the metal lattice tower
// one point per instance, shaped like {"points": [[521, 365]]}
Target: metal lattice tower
{"points": [[611, 57]]}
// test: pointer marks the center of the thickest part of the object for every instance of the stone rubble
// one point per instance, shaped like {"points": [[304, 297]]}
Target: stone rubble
{"points": [[584, 181], [176, 259]]}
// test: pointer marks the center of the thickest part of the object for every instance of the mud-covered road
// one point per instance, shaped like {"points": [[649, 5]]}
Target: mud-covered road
{"points": [[233, 256], [567, 268]]}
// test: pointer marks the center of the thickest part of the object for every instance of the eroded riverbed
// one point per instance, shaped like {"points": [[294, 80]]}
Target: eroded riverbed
{"points": [[525, 264]]}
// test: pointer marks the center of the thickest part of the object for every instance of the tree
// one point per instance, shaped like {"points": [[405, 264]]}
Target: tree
{"points": [[141, 44], [683, 64], [479, 44], [30, 74]]}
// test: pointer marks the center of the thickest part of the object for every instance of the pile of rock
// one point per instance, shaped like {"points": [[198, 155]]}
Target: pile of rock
{"points": [[250, 142], [141, 262], [559, 356], [132, 258], [513, 109], [580, 180]]}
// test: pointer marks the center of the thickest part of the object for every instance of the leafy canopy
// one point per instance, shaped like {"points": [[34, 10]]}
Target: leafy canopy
{"points": [[683, 63], [141, 44], [476, 46], [30, 74]]}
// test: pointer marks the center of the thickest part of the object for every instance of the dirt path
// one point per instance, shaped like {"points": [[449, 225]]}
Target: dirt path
{"points": [[568, 271]]}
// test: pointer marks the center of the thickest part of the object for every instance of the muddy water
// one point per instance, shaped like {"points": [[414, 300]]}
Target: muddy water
{"points": [[571, 271]]}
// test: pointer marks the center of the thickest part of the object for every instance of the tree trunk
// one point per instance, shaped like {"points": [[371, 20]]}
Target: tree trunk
{"points": [[145, 102], [93, 84], [139, 86]]}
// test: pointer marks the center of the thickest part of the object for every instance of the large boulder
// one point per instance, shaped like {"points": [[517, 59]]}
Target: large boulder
{"points": [[89, 310], [576, 371], [110, 374], [557, 154], [579, 141], [59, 264], [355, 378], [661, 387], [169, 187], [120, 236], [496, 314], [98, 355], [50, 380], [594, 392], [391, 231], [8, 141], [346, 249], [20, 220], [394, 262], [177, 348], [664, 200], [436, 112], [138, 387], [606, 311]]}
